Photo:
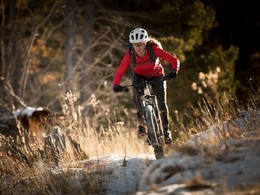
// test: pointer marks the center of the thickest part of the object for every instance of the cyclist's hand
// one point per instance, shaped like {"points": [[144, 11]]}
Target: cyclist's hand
{"points": [[118, 88], [172, 75]]}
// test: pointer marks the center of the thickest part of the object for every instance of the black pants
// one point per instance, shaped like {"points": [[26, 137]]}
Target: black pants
{"points": [[159, 89]]}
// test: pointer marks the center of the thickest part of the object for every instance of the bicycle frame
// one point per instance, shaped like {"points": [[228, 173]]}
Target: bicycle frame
{"points": [[151, 113]]}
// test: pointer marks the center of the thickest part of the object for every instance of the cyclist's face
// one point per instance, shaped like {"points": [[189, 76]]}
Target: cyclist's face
{"points": [[139, 48]]}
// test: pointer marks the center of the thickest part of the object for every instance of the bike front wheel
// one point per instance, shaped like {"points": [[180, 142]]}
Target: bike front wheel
{"points": [[153, 132]]}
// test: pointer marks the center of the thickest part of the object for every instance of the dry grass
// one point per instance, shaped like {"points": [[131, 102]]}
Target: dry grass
{"points": [[230, 120], [49, 167], [52, 165]]}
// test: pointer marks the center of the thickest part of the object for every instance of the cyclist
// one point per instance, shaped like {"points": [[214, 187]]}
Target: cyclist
{"points": [[145, 69]]}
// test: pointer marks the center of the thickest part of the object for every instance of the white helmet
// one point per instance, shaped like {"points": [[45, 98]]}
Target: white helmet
{"points": [[138, 35]]}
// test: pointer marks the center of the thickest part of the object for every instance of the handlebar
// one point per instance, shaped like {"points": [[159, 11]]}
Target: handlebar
{"points": [[126, 87]]}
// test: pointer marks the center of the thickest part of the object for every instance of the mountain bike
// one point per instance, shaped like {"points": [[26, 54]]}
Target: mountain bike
{"points": [[151, 113]]}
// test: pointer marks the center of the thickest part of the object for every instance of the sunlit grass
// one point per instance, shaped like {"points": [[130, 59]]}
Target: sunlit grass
{"points": [[50, 166]]}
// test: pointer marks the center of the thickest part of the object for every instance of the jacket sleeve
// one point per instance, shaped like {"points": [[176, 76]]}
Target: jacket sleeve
{"points": [[167, 57], [124, 65]]}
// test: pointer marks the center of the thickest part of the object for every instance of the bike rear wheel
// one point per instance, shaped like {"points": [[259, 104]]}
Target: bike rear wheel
{"points": [[153, 129]]}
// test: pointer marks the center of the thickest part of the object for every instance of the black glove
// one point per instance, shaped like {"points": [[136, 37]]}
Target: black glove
{"points": [[117, 88], [173, 74]]}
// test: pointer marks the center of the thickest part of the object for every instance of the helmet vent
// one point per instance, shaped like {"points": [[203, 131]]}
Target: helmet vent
{"points": [[136, 36]]}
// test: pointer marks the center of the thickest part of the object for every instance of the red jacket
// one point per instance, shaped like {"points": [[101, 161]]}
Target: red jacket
{"points": [[144, 65]]}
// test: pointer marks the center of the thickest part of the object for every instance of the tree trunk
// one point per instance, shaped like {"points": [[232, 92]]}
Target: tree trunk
{"points": [[70, 46], [11, 67], [88, 52]]}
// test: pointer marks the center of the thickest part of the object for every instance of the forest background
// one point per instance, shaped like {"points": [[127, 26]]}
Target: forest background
{"points": [[49, 48]]}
